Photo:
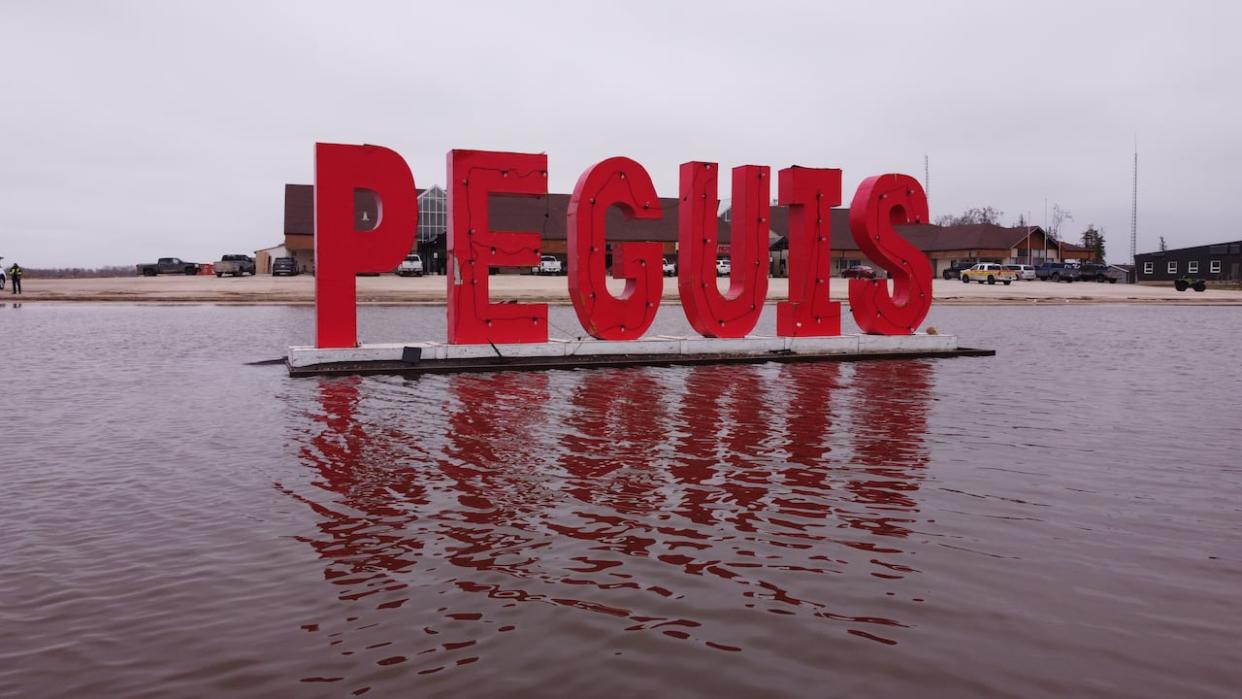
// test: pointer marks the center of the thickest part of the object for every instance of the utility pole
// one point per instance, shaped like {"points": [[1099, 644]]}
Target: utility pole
{"points": [[1134, 210], [1029, 261], [926, 178], [1045, 229]]}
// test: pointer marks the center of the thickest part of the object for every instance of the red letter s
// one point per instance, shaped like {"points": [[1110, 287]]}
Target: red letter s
{"points": [[880, 203]]}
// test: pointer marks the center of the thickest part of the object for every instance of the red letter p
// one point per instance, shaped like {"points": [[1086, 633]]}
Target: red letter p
{"points": [[341, 252]]}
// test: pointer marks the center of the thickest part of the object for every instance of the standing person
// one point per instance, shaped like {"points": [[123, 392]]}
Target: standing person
{"points": [[15, 278]]}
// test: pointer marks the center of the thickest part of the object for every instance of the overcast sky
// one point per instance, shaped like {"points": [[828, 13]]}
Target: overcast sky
{"points": [[131, 131]]}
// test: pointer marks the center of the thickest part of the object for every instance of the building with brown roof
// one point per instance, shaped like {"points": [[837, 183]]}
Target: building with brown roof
{"points": [[944, 245]]}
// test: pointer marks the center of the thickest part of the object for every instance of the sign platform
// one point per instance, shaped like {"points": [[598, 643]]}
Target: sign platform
{"points": [[439, 358]]}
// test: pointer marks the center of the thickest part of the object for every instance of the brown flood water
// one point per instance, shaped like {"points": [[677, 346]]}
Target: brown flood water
{"points": [[1062, 519]]}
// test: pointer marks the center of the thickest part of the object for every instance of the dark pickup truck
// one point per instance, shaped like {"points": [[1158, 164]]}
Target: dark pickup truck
{"points": [[168, 265], [1057, 272], [955, 270], [1094, 271]]}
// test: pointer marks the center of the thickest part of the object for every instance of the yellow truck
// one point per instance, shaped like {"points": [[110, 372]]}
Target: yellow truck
{"points": [[989, 272]]}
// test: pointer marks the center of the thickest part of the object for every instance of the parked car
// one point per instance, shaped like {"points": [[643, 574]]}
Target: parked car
{"points": [[234, 265], [1094, 271], [670, 267], [548, 264], [411, 266], [284, 267], [1024, 272], [168, 265], [858, 272], [989, 272], [723, 266], [1057, 272], [955, 270]]}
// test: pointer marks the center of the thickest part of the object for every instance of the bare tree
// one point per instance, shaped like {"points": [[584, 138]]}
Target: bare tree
{"points": [[1059, 216], [984, 214]]}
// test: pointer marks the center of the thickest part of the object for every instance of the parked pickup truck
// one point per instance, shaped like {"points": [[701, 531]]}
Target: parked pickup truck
{"points": [[989, 272], [1094, 271], [548, 264], [168, 265], [1057, 272], [955, 271], [234, 265], [411, 266]]}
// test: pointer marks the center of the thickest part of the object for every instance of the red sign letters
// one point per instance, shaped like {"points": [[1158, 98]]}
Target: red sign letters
{"points": [[473, 247], [341, 252], [624, 183]]}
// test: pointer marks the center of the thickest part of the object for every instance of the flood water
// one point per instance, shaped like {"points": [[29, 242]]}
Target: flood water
{"points": [[1064, 518]]}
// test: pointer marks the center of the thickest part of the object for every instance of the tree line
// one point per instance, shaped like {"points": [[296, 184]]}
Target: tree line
{"points": [[77, 272], [1092, 237]]}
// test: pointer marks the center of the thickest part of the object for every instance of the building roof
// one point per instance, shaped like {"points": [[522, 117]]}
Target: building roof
{"points": [[547, 215], [1226, 244], [300, 209]]}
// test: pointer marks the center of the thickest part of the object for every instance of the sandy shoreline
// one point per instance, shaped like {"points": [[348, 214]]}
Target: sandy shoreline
{"points": [[388, 289]]}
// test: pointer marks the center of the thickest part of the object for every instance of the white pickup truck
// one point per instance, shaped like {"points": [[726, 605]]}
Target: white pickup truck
{"points": [[548, 264], [411, 266]]}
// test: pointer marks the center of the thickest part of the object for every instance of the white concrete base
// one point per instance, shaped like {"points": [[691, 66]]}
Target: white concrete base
{"points": [[685, 347]]}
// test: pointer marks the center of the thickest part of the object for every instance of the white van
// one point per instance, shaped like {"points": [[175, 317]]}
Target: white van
{"points": [[1024, 272]]}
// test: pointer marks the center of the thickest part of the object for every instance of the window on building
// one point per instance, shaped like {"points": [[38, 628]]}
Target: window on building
{"points": [[1215, 267], [432, 214], [1147, 268], [1235, 249], [1172, 267], [1192, 266]]}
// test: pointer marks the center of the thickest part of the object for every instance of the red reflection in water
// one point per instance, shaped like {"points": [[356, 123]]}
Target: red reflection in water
{"points": [[890, 420], [750, 488], [492, 461], [615, 428], [725, 426], [354, 464]]}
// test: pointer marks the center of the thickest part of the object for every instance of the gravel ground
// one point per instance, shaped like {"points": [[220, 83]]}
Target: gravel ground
{"points": [[431, 290]]}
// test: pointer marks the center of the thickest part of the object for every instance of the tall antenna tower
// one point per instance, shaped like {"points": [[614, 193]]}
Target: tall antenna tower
{"points": [[926, 177], [1134, 208]]}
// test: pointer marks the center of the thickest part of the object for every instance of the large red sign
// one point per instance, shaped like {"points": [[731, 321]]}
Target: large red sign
{"points": [[341, 252]]}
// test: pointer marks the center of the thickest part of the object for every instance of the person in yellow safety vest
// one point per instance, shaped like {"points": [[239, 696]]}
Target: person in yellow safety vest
{"points": [[15, 278]]}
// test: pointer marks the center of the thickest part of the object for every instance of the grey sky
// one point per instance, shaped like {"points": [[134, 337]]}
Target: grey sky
{"points": [[131, 131]]}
